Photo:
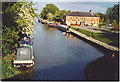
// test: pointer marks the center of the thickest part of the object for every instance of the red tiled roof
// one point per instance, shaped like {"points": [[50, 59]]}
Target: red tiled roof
{"points": [[82, 14]]}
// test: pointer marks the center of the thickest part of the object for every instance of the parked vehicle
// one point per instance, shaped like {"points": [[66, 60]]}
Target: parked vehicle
{"points": [[110, 26]]}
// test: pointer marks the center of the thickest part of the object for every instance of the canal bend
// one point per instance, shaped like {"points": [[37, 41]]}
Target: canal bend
{"points": [[58, 56]]}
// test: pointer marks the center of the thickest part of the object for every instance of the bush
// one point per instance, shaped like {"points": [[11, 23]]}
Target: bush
{"points": [[100, 25], [8, 70], [91, 24]]}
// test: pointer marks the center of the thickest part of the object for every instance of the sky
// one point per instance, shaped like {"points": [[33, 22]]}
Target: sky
{"points": [[78, 6], [75, 0]]}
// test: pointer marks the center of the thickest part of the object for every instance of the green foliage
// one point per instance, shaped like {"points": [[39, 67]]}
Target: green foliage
{"points": [[51, 12], [50, 16], [102, 18], [8, 70], [59, 15], [9, 40], [50, 8], [111, 16], [18, 17]]}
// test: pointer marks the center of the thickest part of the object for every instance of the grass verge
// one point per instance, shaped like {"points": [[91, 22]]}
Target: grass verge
{"points": [[109, 38], [8, 70]]}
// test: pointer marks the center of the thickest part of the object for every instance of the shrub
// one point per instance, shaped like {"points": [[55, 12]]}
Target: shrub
{"points": [[8, 70]]}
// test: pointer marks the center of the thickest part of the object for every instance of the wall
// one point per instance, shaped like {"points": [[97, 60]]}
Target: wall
{"points": [[75, 20]]}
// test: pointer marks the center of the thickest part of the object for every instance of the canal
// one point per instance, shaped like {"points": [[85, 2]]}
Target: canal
{"points": [[58, 56]]}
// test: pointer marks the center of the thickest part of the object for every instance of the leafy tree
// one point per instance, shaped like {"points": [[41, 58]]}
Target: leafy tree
{"points": [[113, 15], [51, 12], [49, 8], [102, 18], [9, 40], [59, 15], [18, 18], [50, 16]]}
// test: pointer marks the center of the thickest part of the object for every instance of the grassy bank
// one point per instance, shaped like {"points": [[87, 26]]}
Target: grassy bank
{"points": [[109, 38], [108, 30], [8, 70]]}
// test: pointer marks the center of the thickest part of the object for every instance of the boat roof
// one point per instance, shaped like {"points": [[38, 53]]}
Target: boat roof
{"points": [[24, 53], [50, 22]]}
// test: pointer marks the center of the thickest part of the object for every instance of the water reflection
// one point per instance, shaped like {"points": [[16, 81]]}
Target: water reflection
{"points": [[52, 28], [70, 36]]}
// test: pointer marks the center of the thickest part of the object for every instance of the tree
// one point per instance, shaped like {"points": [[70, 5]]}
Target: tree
{"points": [[59, 15], [113, 15], [50, 16], [50, 8], [18, 17], [102, 18]]}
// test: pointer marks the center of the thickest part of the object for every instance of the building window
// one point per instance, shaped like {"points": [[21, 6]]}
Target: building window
{"points": [[70, 17], [95, 18], [76, 22], [83, 18]]}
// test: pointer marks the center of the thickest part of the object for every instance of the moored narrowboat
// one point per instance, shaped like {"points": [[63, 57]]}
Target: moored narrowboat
{"points": [[53, 24], [25, 55]]}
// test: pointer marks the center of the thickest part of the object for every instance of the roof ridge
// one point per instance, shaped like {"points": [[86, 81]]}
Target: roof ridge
{"points": [[77, 13]]}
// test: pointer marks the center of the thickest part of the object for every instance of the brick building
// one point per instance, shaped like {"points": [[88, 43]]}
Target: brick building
{"points": [[81, 18]]}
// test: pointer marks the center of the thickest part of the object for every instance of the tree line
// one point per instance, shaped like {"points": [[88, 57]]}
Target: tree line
{"points": [[110, 17], [52, 13], [17, 18]]}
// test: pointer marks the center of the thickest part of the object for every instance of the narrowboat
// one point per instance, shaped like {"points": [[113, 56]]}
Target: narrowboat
{"points": [[53, 24], [25, 55]]}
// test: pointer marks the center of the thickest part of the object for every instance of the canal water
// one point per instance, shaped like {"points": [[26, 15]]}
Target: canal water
{"points": [[58, 56]]}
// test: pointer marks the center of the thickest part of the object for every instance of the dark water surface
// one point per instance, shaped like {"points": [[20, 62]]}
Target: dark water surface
{"points": [[58, 56]]}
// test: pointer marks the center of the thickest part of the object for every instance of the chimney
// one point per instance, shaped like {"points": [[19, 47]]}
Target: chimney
{"points": [[91, 12]]}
